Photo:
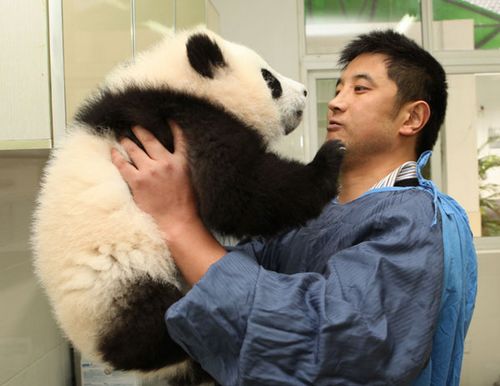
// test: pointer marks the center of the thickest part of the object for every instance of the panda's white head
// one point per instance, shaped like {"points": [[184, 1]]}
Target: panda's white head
{"points": [[201, 63]]}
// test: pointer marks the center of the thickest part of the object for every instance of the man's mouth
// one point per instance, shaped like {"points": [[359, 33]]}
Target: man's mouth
{"points": [[334, 126]]}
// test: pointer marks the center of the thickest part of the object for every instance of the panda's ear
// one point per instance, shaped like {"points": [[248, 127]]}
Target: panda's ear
{"points": [[204, 55]]}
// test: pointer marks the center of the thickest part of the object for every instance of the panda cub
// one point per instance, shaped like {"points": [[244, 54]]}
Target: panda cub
{"points": [[102, 261]]}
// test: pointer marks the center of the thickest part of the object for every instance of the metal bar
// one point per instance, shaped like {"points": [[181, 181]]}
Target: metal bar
{"points": [[362, 8], [132, 26], [487, 38], [427, 20], [373, 9], [475, 9], [57, 76], [495, 25], [342, 7], [309, 7]]}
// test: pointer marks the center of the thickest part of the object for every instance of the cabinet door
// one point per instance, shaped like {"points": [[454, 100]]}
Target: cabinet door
{"points": [[97, 36], [153, 19], [24, 75], [189, 13], [100, 34]]}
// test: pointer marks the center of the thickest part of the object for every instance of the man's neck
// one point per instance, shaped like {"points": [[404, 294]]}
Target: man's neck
{"points": [[358, 177]]}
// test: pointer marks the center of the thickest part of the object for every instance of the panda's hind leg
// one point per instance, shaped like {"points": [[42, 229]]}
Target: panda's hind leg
{"points": [[191, 375], [136, 337]]}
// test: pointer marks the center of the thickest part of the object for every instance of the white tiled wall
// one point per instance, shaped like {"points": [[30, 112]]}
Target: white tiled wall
{"points": [[32, 351], [481, 366]]}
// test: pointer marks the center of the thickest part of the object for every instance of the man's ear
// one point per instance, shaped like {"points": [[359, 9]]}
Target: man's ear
{"points": [[416, 116]]}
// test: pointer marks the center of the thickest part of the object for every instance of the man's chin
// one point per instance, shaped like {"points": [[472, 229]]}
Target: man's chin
{"points": [[333, 135]]}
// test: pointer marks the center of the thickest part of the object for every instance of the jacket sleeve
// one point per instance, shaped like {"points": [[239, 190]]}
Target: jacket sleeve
{"points": [[367, 319]]}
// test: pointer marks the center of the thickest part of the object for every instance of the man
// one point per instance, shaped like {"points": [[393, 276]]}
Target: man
{"points": [[378, 290]]}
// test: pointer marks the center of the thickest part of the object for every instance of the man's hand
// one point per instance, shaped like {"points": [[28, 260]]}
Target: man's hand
{"points": [[159, 180], [161, 187]]}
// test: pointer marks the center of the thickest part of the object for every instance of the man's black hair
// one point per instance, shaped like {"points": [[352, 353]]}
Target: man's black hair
{"points": [[416, 73]]}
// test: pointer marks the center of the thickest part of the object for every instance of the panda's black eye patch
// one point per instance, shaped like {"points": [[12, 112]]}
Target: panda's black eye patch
{"points": [[273, 83]]}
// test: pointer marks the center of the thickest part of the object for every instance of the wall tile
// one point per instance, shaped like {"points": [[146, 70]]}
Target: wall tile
{"points": [[53, 369], [32, 351], [481, 366], [27, 328]]}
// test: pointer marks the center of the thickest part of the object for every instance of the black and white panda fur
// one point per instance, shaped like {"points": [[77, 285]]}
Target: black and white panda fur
{"points": [[102, 261]]}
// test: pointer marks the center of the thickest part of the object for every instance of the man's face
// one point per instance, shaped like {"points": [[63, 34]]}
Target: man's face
{"points": [[362, 114]]}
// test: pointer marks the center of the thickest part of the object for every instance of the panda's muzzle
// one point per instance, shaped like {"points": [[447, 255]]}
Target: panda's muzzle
{"points": [[291, 121], [290, 127], [291, 108]]}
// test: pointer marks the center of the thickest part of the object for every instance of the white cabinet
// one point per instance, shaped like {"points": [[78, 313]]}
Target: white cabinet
{"points": [[24, 75], [54, 52]]}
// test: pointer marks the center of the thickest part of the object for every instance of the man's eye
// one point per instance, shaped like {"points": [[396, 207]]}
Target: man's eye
{"points": [[360, 88]]}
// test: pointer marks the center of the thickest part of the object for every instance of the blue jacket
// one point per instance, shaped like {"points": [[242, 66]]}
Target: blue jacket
{"points": [[378, 291]]}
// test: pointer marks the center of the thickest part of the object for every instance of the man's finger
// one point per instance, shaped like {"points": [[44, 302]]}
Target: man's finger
{"points": [[126, 170], [153, 147], [180, 144], [139, 158]]}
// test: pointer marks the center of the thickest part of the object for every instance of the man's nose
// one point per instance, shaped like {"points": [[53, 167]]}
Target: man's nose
{"points": [[337, 103]]}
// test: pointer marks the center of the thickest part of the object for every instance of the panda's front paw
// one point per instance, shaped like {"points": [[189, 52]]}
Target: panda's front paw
{"points": [[329, 157]]}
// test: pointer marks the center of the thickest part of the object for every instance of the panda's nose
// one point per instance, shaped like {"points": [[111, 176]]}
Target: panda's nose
{"points": [[305, 93]]}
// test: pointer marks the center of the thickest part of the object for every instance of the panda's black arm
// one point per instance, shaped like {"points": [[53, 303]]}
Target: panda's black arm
{"points": [[276, 194]]}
